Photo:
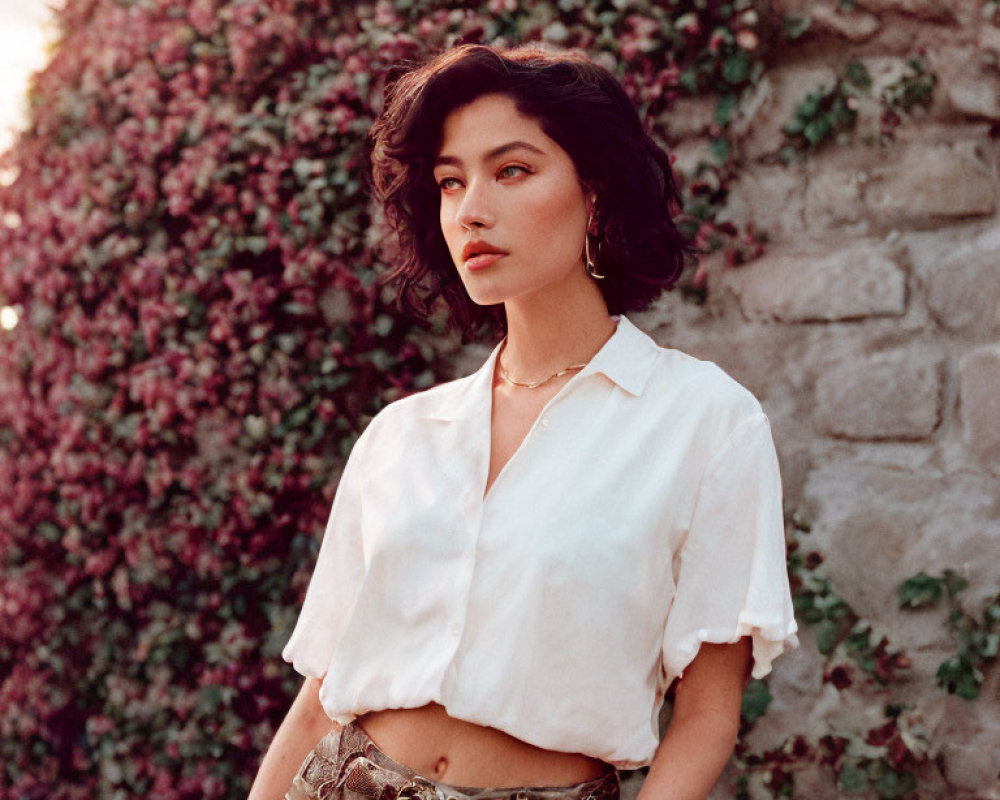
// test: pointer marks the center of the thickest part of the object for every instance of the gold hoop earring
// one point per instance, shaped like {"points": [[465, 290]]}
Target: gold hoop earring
{"points": [[591, 265]]}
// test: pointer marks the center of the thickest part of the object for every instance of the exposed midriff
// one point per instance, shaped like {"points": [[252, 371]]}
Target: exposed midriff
{"points": [[461, 753]]}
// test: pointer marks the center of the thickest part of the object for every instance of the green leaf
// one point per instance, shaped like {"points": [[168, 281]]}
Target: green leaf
{"points": [[809, 106], [688, 79], [954, 583], [856, 74], [817, 130], [960, 678], [756, 699], [794, 126], [48, 531], [827, 634], [969, 685], [852, 779], [736, 68], [720, 150], [919, 591], [794, 25], [255, 244], [724, 108], [891, 784], [209, 699]]}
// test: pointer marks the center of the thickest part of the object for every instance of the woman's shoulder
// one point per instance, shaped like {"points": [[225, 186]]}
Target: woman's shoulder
{"points": [[394, 426], [702, 401], [440, 401], [702, 383]]}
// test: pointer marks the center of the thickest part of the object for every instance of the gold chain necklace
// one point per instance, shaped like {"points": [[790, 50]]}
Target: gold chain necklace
{"points": [[535, 384]]}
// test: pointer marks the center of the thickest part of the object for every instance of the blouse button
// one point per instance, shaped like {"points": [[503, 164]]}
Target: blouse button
{"points": [[545, 422]]}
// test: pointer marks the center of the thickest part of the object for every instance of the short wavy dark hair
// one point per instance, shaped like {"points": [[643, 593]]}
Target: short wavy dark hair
{"points": [[578, 104]]}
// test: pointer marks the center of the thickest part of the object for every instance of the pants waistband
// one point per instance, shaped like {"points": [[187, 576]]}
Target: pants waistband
{"points": [[347, 764]]}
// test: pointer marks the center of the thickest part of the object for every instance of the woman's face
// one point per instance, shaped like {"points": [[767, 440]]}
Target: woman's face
{"points": [[504, 183]]}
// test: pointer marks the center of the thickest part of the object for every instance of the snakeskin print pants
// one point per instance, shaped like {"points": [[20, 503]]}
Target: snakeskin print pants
{"points": [[346, 765]]}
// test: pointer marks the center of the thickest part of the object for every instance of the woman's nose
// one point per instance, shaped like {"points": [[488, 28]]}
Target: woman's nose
{"points": [[476, 207]]}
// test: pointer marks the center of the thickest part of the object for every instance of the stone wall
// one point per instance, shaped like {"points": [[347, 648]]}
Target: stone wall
{"points": [[870, 331]]}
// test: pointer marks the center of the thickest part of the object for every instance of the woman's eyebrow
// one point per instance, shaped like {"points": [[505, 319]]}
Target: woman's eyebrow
{"points": [[491, 154]]}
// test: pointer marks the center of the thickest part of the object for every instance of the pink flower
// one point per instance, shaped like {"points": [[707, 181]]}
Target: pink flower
{"points": [[203, 17], [747, 39]]}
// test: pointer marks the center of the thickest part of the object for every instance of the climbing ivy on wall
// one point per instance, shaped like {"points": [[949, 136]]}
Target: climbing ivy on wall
{"points": [[883, 760], [977, 635], [829, 112]]}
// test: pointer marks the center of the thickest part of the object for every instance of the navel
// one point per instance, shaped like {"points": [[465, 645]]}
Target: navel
{"points": [[440, 767]]}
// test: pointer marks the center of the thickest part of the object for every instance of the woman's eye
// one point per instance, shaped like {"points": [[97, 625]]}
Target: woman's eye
{"points": [[513, 166], [446, 184]]}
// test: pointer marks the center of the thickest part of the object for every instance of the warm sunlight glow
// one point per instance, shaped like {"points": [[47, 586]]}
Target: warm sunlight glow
{"points": [[23, 39], [8, 318]]}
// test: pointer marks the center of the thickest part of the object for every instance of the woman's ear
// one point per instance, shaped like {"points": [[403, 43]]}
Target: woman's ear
{"points": [[590, 196]]}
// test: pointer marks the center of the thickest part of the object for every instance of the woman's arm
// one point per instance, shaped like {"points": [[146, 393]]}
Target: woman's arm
{"points": [[704, 724], [304, 725]]}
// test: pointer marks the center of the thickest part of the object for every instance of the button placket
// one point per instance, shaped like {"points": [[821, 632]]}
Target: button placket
{"points": [[472, 517]]}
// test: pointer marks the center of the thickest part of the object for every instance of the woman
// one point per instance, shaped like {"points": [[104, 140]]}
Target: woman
{"points": [[521, 563]]}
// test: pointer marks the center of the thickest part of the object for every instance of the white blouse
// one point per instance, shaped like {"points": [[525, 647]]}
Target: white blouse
{"points": [[640, 517]]}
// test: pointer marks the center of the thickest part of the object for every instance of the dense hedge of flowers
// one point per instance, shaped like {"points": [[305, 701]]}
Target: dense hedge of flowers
{"points": [[203, 334]]}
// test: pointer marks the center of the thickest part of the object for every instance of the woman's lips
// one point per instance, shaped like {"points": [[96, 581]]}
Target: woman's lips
{"points": [[482, 261]]}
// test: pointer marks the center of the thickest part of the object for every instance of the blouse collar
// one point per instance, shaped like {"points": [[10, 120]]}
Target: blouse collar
{"points": [[626, 358]]}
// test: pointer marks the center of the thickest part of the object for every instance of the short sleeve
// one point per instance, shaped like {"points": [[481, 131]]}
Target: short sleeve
{"points": [[336, 578], [731, 579]]}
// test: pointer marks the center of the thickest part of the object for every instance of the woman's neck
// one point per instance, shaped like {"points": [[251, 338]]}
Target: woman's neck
{"points": [[544, 336]]}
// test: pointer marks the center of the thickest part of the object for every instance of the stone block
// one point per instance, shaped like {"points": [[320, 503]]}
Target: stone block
{"points": [[689, 154], [688, 116], [979, 378], [988, 38], [884, 71], [751, 103], [857, 281], [931, 183], [770, 199], [970, 737], [766, 111], [974, 93], [879, 525], [924, 9], [855, 25], [894, 395], [833, 199], [960, 277], [972, 766], [795, 685]]}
